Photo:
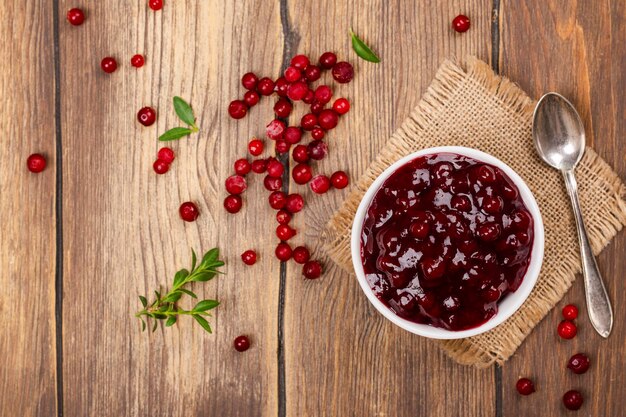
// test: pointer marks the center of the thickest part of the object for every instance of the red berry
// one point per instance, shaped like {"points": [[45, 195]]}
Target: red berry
{"points": [[312, 270], [160, 166], [36, 163], [284, 232], [300, 62], [255, 147], [318, 133], [327, 119], [301, 173], [283, 108], [461, 23], [108, 64], [75, 16], [339, 180], [277, 200], [341, 106], [259, 166], [188, 211], [292, 74], [251, 98], [237, 109], [570, 312], [282, 146], [295, 203], [312, 73], [323, 94], [316, 108], [573, 400], [328, 60], [525, 386], [233, 203], [275, 168], [320, 184], [236, 184], [275, 129], [249, 81], [317, 150], [146, 116], [297, 91], [308, 121], [281, 87], [283, 217], [249, 257], [265, 86], [301, 255], [309, 98], [156, 4], [242, 343], [272, 183], [293, 135], [283, 252], [300, 153], [343, 72], [137, 61], [166, 154], [567, 329], [579, 363], [242, 166]]}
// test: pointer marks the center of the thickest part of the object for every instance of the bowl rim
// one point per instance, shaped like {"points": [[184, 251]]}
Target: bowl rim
{"points": [[511, 303]]}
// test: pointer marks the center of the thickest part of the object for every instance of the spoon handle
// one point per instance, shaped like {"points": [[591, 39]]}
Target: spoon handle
{"points": [[598, 304]]}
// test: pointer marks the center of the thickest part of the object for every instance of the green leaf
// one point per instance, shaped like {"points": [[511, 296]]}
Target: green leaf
{"points": [[194, 259], [203, 323], [180, 277], [159, 316], [205, 305], [170, 321], [172, 298], [175, 133], [143, 325], [156, 323], [362, 49], [188, 292], [203, 276], [210, 257], [158, 295], [163, 308], [143, 300], [184, 111]]}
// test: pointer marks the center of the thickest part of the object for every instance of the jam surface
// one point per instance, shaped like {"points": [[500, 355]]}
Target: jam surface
{"points": [[445, 239]]}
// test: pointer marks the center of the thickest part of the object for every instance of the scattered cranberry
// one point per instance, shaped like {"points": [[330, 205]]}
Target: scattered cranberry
{"points": [[233, 204], [579, 363], [283, 108], [301, 173], [275, 129], [281, 87], [343, 72], [572, 400], [301, 255], [292, 135], [277, 200], [249, 81], [108, 64], [318, 133], [567, 329], [312, 270], [300, 153], [341, 106], [160, 166], [236, 184], [320, 184], [251, 98], [265, 86], [259, 166], [570, 312], [237, 109], [36, 163], [312, 73], [249, 257], [316, 108], [283, 252], [308, 121], [283, 217], [317, 150], [525, 386], [328, 60], [295, 203], [323, 94], [272, 183], [275, 168], [339, 180], [242, 343], [189, 211], [255, 147], [166, 154], [146, 116], [297, 91], [461, 23], [300, 62], [156, 4], [242, 166], [327, 119], [75, 16], [292, 74], [137, 61], [284, 232], [282, 146]]}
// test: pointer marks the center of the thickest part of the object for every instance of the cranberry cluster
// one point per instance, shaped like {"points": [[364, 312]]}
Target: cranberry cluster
{"points": [[295, 85]]}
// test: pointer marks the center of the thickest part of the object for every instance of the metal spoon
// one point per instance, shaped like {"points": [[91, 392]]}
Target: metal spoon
{"points": [[560, 141]]}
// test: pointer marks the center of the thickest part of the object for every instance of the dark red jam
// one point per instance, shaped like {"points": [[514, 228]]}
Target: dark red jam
{"points": [[445, 239]]}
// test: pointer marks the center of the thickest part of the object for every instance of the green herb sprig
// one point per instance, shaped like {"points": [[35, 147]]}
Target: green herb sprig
{"points": [[185, 113], [164, 307], [362, 49]]}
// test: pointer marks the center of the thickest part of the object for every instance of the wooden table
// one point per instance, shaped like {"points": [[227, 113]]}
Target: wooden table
{"points": [[98, 227]]}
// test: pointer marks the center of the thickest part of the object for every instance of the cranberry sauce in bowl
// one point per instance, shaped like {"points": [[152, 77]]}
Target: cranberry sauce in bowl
{"points": [[445, 239]]}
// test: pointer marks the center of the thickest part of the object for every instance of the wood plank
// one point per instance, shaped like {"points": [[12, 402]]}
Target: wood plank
{"points": [[348, 359], [28, 244], [122, 230], [577, 50]]}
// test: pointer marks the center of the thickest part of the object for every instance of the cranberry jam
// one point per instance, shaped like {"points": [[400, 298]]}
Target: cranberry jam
{"points": [[445, 238]]}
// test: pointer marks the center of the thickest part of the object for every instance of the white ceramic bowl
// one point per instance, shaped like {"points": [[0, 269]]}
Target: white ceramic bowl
{"points": [[509, 304]]}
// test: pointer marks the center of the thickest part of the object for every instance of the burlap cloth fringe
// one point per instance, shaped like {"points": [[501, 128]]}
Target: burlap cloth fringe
{"points": [[468, 105]]}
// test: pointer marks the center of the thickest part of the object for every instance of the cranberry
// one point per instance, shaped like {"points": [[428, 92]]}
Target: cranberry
{"points": [[146, 116], [283, 217], [277, 200], [328, 60], [488, 232], [308, 121], [272, 183], [295, 203], [242, 166], [312, 270], [251, 98], [275, 168], [300, 153], [188, 211], [259, 166], [318, 133], [265, 86], [339, 180], [75, 16], [284, 232], [320, 184], [283, 252], [343, 72], [249, 257], [301, 173], [166, 154], [312, 73], [255, 147], [283, 108], [297, 91], [242, 343], [155, 4], [300, 62], [328, 119], [461, 23], [461, 203], [36, 163], [275, 129], [233, 204], [341, 106], [282, 146], [573, 400], [237, 109], [525, 386], [160, 166], [293, 135], [292, 74], [301, 255], [567, 329], [236, 184], [570, 312], [317, 150], [579, 363], [492, 204], [281, 87], [419, 229], [323, 94], [137, 61], [316, 108], [309, 98], [108, 64], [249, 81], [486, 174]]}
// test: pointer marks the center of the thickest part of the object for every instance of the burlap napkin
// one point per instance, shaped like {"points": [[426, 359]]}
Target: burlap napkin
{"points": [[468, 105]]}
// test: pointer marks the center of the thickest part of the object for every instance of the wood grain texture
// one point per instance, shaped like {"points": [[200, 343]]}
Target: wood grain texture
{"points": [[577, 50], [27, 246], [349, 359]]}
